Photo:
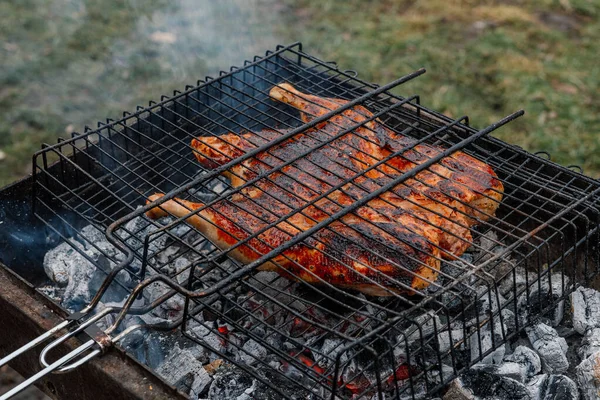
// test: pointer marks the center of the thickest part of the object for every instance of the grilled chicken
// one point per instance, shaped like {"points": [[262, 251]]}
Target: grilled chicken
{"points": [[447, 194], [390, 245], [372, 257]]}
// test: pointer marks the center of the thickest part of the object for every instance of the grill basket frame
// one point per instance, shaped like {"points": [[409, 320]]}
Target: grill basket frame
{"points": [[548, 222]]}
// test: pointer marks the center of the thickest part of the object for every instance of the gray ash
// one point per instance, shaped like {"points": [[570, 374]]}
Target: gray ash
{"points": [[269, 336], [230, 382]]}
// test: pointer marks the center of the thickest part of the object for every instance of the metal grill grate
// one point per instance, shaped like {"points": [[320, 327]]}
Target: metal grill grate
{"points": [[320, 340]]}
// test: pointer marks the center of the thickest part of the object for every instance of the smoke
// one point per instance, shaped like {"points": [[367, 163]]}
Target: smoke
{"points": [[209, 34]]}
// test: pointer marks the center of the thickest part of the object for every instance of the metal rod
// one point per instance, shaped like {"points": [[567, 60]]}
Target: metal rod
{"points": [[34, 342], [51, 368]]}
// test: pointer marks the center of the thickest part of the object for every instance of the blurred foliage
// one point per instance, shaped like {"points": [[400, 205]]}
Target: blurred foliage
{"points": [[68, 63], [484, 58], [72, 62]]}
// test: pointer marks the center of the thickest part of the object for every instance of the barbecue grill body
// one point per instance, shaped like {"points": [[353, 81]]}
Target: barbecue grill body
{"points": [[27, 313], [101, 176]]}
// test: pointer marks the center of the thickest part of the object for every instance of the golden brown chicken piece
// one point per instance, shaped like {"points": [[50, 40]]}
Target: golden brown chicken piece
{"points": [[369, 257], [397, 237]]}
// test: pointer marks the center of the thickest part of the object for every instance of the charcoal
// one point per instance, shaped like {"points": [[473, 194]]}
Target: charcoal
{"points": [[329, 352], [170, 309], [140, 227], [230, 382], [517, 277], [435, 377], [55, 293], [551, 347], [116, 291], [417, 391], [553, 387], [68, 267], [512, 370], [447, 339], [488, 241], [590, 343], [489, 301], [588, 377], [59, 262], [527, 358], [211, 189], [152, 351], [585, 304], [207, 337], [540, 296], [252, 352], [422, 327], [477, 384], [185, 371], [484, 340]]}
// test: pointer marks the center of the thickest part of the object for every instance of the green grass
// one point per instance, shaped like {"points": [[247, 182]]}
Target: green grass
{"points": [[68, 64], [485, 59]]}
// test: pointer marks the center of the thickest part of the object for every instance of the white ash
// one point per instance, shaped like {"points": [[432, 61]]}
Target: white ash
{"points": [[551, 347], [541, 294], [549, 387], [330, 350], [435, 377], [585, 305], [511, 370], [488, 241], [484, 340], [449, 338], [69, 268], [232, 383], [251, 352], [590, 343], [517, 278], [78, 279], [489, 301], [55, 293], [203, 333], [217, 186], [422, 327], [479, 384], [428, 329], [192, 378], [588, 377]]}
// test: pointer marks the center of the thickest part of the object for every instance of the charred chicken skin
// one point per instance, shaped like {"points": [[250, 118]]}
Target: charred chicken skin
{"points": [[393, 243]]}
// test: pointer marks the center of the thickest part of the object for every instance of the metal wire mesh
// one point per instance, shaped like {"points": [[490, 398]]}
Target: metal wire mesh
{"points": [[325, 339]]}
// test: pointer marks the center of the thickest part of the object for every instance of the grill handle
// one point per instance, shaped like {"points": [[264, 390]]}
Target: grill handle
{"points": [[53, 367], [66, 363]]}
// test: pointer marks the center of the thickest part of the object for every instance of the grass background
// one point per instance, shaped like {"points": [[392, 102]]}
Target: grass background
{"points": [[66, 64]]}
